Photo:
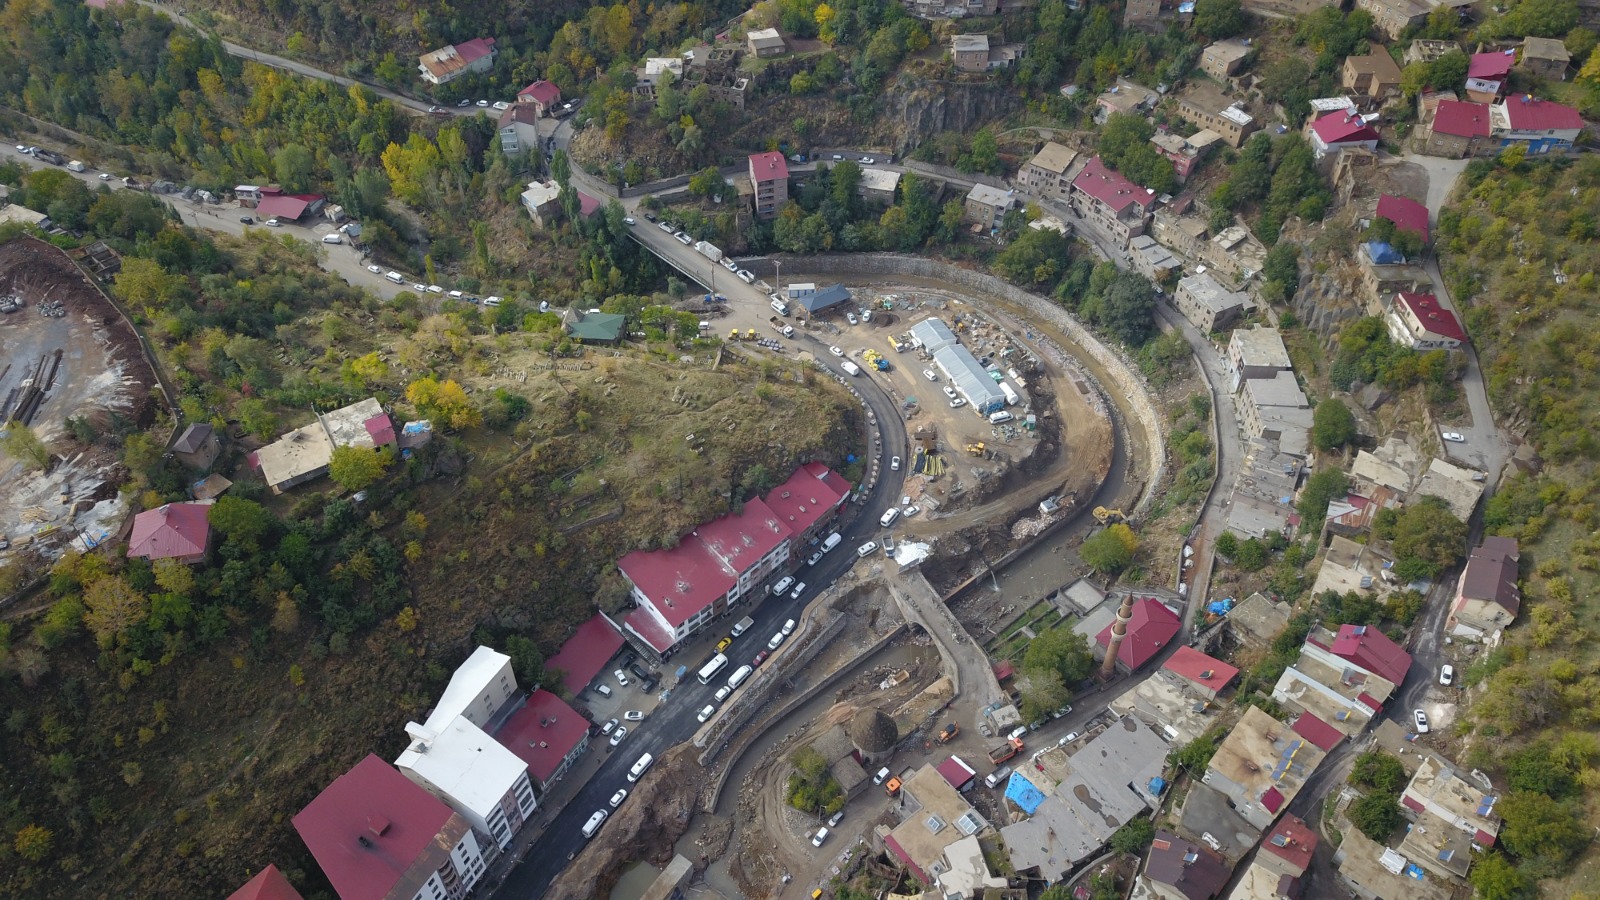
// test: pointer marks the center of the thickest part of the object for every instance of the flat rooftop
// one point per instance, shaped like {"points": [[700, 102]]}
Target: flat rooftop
{"points": [[934, 810]]}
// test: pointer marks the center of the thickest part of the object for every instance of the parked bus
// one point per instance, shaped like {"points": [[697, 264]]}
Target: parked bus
{"points": [[717, 664]]}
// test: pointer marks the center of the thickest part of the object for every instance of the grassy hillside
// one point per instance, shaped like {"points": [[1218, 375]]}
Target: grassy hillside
{"points": [[1533, 718]]}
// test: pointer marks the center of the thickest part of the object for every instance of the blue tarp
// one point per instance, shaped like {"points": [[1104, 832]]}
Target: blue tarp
{"points": [[1157, 785], [1384, 254], [1020, 790]]}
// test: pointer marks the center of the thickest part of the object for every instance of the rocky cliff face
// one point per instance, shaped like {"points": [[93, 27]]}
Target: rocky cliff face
{"points": [[919, 109], [1325, 302]]}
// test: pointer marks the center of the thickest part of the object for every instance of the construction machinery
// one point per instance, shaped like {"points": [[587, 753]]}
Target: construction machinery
{"points": [[949, 733], [1108, 516], [1005, 751], [750, 334], [977, 449]]}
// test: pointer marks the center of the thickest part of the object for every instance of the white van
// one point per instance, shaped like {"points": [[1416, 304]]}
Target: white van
{"points": [[889, 517], [332, 239], [492, 301], [832, 542], [782, 585], [997, 776], [738, 677], [594, 823], [777, 639], [780, 307], [640, 767], [396, 277], [867, 549], [999, 417]]}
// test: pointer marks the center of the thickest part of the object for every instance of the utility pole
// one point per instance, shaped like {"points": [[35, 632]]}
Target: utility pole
{"points": [[777, 266]]}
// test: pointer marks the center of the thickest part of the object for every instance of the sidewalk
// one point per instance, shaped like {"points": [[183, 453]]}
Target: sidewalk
{"points": [[550, 805]]}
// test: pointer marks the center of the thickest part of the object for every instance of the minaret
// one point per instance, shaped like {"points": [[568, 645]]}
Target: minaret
{"points": [[1119, 630]]}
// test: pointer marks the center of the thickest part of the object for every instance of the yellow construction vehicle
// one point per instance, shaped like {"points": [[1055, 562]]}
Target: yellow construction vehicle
{"points": [[949, 733], [977, 449], [1107, 516], [733, 335], [750, 334]]}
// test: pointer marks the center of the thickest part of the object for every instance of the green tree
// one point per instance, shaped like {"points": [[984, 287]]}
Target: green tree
{"points": [[1495, 878], [1544, 832], [1217, 19], [1321, 488], [1380, 770], [1043, 692], [1429, 537], [1251, 555], [1110, 550], [112, 607], [1194, 756], [295, 167], [811, 787], [526, 660], [33, 842], [21, 444], [1227, 544], [1377, 815], [1333, 426], [356, 468], [239, 520], [1063, 651], [1134, 836]]}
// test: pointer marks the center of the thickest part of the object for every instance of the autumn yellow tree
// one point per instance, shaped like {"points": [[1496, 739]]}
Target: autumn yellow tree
{"points": [[445, 403], [369, 370], [112, 606]]}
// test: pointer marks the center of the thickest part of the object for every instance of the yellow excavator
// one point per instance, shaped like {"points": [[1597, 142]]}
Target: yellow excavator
{"points": [[1108, 516], [976, 449]]}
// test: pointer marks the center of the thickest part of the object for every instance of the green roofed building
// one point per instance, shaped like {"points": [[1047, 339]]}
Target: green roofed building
{"points": [[593, 327]]}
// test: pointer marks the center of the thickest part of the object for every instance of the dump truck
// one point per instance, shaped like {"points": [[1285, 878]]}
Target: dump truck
{"points": [[781, 326], [708, 251], [1005, 751], [949, 733]]}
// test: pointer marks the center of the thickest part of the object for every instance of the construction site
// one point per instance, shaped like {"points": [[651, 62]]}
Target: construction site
{"points": [[66, 353]]}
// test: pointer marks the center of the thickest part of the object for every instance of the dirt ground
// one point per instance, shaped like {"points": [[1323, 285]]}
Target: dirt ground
{"points": [[101, 377]]}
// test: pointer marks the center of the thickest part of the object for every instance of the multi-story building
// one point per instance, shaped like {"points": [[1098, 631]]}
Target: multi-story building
{"points": [[1046, 174], [547, 735], [1340, 131], [1392, 17], [1207, 304], [1208, 107], [1487, 75], [1487, 597], [1256, 352], [519, 129], [1419, 322], [769, 176], [543, 96], [1375, 77], [377, 836], [1437, 788], [1266, 401], [1223, 59], [1543, 126], [1185, 153], [1175, 869], [1261, 766], [446, 64], [970, 52], [473, 774], [986, 205], [878, 185], [1545, 58], [1150, 259], [1457, 129], [1113, 203]]}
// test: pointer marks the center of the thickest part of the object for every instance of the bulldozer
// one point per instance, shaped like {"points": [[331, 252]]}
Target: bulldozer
{"points": [[949, 733], [977, 449], [1108, 516]]}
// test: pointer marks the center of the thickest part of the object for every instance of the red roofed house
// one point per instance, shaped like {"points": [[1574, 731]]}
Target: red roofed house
{"points": [[1112, 202], [769, 176], [1487, 74], [289, 207], [1458, 129], [679, 590], [1206, 676], [378, 836], [1405, 213], [1439, 789], [1287, 849], [269, 884], [446, 64], [1150, 628], [1487, 597], [1175, 869], [1371, 649], [1340, 130], [542, 95], [519, 129], [177, 531], [547, 734], [1419, 322], [1544, 126], [585, 654], [1318, 732], [956, 771]]}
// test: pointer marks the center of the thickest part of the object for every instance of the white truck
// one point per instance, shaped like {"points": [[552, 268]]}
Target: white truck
{"points": [[708, 251], [76, 166], [1012, 397], [850, 367]]}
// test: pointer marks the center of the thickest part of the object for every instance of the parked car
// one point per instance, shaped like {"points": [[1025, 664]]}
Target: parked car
{"points": [[483, 104], [798, 590], [376, 270], [1454, 437], [851, 317], [609, 726], [464, 103], [105, 176], [248, 220], [633, 715], [894, 463], [435, 289], [706, 713], [782, 585], [1071, 736], [419, 287], [1021, 731], [836, 351], [950, 392], [650, 216], [788, 627], [1447, 675], [501, 105], [621, 732], [1422, 721], [628, 220], [910, 511], [723, 692], [621, 677], [929, 374], [957, 403], [760, 658], [665, 226], [273, 223], [618, 797], [835, 819], [867, 160], [819, 837], [602, 690], [815, 558], [724, 644]]}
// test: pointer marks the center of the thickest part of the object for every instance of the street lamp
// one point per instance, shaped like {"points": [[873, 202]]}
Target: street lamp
{"points": [[777, 266]]}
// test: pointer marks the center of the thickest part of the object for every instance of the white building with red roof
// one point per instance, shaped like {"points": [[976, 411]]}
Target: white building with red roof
{"points": [[1419, 321], [769, 176], [677, 591], [448, 63], [177, 531], [1206, 675], [1543, 126], [1487, 74], [542, 95], [1118, 206], [1340, 130], [480, 779], [377, 836], [546, 734]]}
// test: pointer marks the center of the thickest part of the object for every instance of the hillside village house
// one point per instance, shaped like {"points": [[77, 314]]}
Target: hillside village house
{"points": [[1185, 153], [1340, 131], [1426, 51], [542, 200], [304, 454], [986, 206], [1376, 76], [446, 64], [519, 129], [1255, 352], [1419, 322], [1405, 213], [177, 531], [269, 884], [1487, 597], [1207, 304], [1124, 97], [1152, 260], [547, 734], [769, 176], [1223, 59], [970, 52], [1046, 174], [1545, 58], [1464, 805], [1116, 205], [377, 836], [1261, 766], [658, 70], [1178, 870], [1264, 402], [1487, 74], [1392, 17], [1543, 126], [765, 43], [678, 591], [1207, 107], [542, 96], [198, 446], [878, 185]]}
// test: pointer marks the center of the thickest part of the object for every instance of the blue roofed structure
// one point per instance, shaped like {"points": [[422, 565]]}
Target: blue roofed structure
{"points": [[1384, 254], [1020, 790], [827, 298]]}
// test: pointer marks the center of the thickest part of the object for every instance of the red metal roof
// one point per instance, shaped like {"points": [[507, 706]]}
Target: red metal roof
{"points": [[381, 429], [1152, 626], [269, 884], [587, 205], [522, 113], [1435, 318], [1209, 673], [1003, 670], [285, 206], [742, 540], [543, 91], [1109, 187], [1527, 113], [1484, 838], [174, 531], [1411, 803], [680, 581], [766, 167], [1292, 840], [1343, 127], [1372, 650], [1405, 213], [905, 857], [956, 772], [475, 49], [1492, 65], [1462, 119], [1272, 800], [649, 630], [1324, 736], [584, 654], [369, 827], [805, 498], [542, 733], [1370, 702]]}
